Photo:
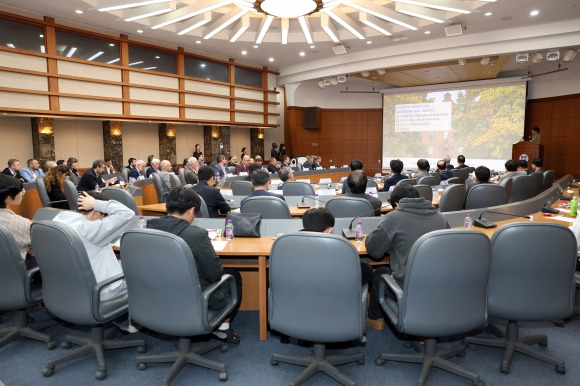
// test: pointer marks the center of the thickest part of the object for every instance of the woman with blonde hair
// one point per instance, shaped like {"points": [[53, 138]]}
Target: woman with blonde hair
{"points": [[54, 182]]}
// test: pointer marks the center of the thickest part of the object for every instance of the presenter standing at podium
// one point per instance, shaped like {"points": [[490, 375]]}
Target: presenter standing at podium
{"points": [[536, 138]]}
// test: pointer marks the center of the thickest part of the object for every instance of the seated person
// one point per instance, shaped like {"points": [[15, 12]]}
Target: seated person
{"points": [[214, 200], [54, 182], [220, 169], [252, 168], [423, 169], [537, 164], [183, 205], [357, 183], [444, 172], [321, 220], [355, 164], [190, 171], [154, 167], [92, 180], [137, 171], [13, 169], [73, 164], [411, 218], [285, 175], [308, 164], [317, 162], [482, 175], [164, 172], [242, 167], [522, 166], [461, 162], [11, 194], [286, 161], [261, 182], [511, 170], [273, 166], [396, 175], [97, 221], [233, 161], [447, 160]]}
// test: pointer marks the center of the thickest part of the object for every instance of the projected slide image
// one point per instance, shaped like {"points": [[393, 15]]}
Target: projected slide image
{"points": [[481, 123]]}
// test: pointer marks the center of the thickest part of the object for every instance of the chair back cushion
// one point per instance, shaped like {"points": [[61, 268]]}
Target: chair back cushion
{"points": [[42, 192], [315, 288], [428, 180], [242, 188], [174, 181], [532, 272], [123, 196], [452, 199], [268, 207], [163, 282], [158, 187], [523, 187], [445, 284], [539, 177], [349, 207], [548, 179], [485, 195], [425, 191], [297, 188], [12, 273], [71, 194]]}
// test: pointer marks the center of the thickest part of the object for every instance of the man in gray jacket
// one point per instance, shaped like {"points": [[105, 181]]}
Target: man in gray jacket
{"points": [[411, 218]]}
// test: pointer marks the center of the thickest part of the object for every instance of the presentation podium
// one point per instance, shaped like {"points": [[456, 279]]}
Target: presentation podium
{"points": [[527, 149]]}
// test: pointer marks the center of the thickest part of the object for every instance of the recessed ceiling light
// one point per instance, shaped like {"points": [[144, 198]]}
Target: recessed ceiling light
{"points": [[271, 59], [255, 46], [157, 57], [202, 65], [369, 42], [78, 11], [313, 46], [244, 52], [302, 53], [487, 14], [427, 32], [535, 12], [41, 36], [198, 42], [111, 44], [139, 31]]}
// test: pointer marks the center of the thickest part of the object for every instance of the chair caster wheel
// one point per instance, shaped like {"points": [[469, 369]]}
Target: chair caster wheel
{"points": [[50, 345], [66, 344], [504, 369], [561, 369], [101, 374], [223, 376], [141, 349], [478, 383], [379, 361], [284, 340], [274, 362], [48, 371], [224, 348], [360, 362], [141, 366], [543, 344]]}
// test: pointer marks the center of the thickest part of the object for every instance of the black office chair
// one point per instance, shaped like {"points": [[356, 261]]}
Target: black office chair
{"points": [[331, 308], [436, 301], [174, 181], [437, 177], [297, 188], [203, 212], [485, 195], [123, 196], [349, 207], [524, 187], [71, 194], [531, 279], [242, 188], [508, 184], [425, 191], [549, 176], [268, 207], [452, 199], [461, 174], [455, 180], [167, 298], [428, 180], [71, 293], [407, 181], [125, 173], [43, 194], [158, 184], [18, 294], [539, 178]]}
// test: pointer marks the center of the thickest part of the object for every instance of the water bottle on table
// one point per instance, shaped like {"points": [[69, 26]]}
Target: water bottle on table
{"points": [[358, 233], [142, 223], [229, 230], [468, 223]]}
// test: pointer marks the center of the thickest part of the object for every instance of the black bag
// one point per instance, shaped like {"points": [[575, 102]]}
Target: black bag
{"points": [[245, 224]]}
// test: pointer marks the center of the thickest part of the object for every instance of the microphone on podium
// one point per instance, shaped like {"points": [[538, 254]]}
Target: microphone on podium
{"points": [[484, 223], [350, 234]]}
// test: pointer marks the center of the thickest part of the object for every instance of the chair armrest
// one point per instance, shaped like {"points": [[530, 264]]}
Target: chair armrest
{"points": [[30, 274], [225, 280], [96, 297], [388, 280], [56, 202], [364, 300]]}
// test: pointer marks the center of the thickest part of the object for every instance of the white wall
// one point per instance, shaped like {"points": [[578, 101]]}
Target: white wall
{"points": [[187, 137], [16, 134], [80, 139], [239, 137], [556, 84], [140, 140], [308, 94]]}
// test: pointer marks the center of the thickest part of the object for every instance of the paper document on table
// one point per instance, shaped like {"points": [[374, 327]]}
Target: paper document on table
{"points": [[563, 210], [219, 245], [116, 242], [562, 218]]}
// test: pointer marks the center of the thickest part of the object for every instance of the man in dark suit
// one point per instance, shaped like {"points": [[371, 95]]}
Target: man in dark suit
{"points": [[443, 171], [461, 162], [190, 171], [92, 177], [13, 169], [261, 182], [220, 167], [214, 200], [396, 175], [357, 183]]}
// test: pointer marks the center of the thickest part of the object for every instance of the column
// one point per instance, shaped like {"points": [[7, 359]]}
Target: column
{"points": [[167, 142], [216, 141], [113, 143], [42, 139]]}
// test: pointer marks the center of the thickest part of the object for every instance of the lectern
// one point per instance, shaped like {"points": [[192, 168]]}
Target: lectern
{"points": [[531, 150]]}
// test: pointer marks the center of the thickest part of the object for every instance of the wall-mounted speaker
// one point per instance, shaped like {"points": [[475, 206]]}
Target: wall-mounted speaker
{"points": [[312, 118]]}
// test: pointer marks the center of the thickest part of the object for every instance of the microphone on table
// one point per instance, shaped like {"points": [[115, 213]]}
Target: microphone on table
{"points": [[547, 207], [303, 204], [572, 185], [348, 233], [484, 223]]}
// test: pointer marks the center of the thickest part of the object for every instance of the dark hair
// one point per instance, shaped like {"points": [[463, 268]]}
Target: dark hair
{"points": [[402, 191], [356, 164], [180, 200], [205, 173], [441, 165], [285, 173], [274, 145], [423, 164], [522, 164], [317, 220], [260, 177], [94, 194], [510, 165], [9, 187], [536, 129], [59, 162], [461, 159], [11, 162], [243, 149], [108, 159], [396, 165], [131, 161], [98, 162], [196, 145], [538, 162], [253, 167], [71, 161], [357, 182], [482, 174]]}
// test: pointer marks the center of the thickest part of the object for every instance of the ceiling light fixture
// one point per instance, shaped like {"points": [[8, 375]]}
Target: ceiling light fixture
{"points": [[289, 9], [485, 61], [569, 55], [523, 58], [462, 62], [321, 83], [537, 57], [96, 55], [365, 73], [113, 5], [553, 55], [382, 71], [443, 5]]}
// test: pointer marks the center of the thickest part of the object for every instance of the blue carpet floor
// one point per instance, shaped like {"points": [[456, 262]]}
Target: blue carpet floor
{"points": [[248, 363]]}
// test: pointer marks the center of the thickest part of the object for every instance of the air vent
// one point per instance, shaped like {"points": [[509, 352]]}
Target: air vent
{"points": [[553, 55], [522, 58], [454, 30]]}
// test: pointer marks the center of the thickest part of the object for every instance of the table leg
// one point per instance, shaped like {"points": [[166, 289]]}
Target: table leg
{"points": [[262, 296]]}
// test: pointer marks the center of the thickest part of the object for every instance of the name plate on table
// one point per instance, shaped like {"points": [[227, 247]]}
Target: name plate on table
{"points": [[307, 180], [371, 190], [243, 174], [325, 181], [227, 192], [326, 192]]}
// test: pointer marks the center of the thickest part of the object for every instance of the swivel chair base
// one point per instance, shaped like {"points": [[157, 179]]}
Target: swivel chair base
{"points": [[511, 341], [184, 355], [430, 357], [319, 362], [22, 327], [97, 343]]}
